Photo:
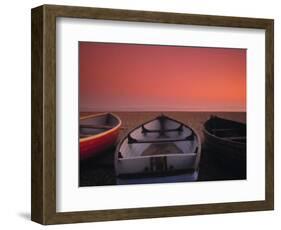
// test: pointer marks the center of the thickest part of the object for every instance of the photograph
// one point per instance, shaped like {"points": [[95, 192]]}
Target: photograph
{"points": [[176, 109], [152, 113]]}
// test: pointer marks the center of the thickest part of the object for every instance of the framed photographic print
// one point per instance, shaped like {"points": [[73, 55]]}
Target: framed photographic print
{"points": [[140, 114]]}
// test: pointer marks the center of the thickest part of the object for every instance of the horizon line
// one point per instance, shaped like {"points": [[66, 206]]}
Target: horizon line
{"points": [[157, 108], [159, 111]]}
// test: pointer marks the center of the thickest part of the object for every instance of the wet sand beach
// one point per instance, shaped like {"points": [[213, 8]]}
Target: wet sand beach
{"points": [[99, 170]]}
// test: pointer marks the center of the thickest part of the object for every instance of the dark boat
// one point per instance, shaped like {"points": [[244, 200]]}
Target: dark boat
{"points": [[98, 133], [160, 150], [226, 141]]}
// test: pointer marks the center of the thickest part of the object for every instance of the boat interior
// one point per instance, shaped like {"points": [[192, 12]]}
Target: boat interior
{"points": [[162, 136], [97, 124], [226, 129]]}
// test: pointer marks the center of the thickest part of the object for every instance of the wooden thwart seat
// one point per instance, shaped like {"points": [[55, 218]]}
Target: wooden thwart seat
{"points": [[145, 130], [132, 140], [235, 138], [96, 126]]}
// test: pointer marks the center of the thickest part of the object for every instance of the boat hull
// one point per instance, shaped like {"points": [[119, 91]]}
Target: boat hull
{"points": [[97, 145], [183, 177], [229, 155], [99, 142], [159, 151]]}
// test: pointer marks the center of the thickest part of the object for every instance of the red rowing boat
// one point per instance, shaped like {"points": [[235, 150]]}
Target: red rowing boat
{"points": [[98, 133]]}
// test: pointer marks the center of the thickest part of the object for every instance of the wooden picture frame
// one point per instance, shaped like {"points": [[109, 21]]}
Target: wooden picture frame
{"points": [[43, 208]]}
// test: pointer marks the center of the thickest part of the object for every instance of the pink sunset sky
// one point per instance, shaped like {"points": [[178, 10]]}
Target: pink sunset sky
{"points": [[131, 77]]}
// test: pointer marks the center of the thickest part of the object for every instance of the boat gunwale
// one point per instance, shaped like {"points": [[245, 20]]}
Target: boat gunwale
{"points": [[95, 136], [229, 141]]}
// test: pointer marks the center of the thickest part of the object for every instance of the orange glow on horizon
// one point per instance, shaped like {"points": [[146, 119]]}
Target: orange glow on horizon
{"points": [[129, 77]]}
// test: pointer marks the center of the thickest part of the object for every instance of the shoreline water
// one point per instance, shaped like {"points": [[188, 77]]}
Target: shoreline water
{"points": [[193, 119]]}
